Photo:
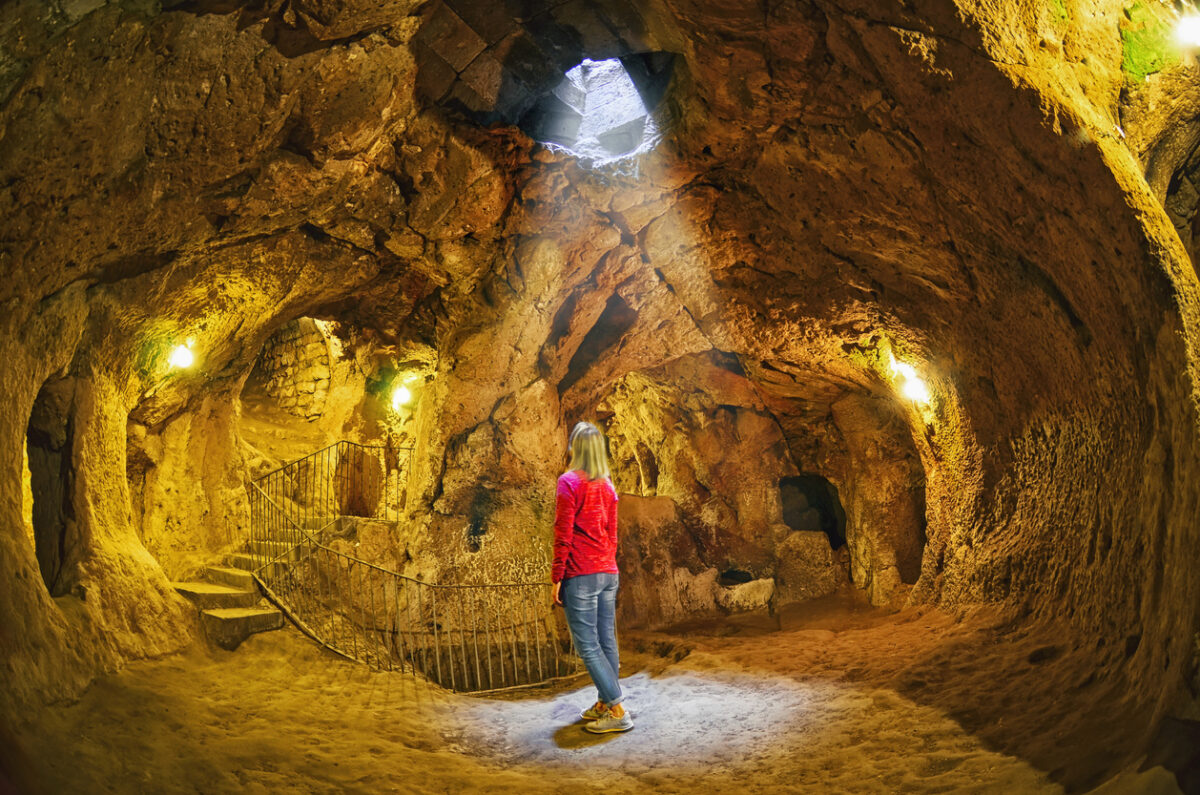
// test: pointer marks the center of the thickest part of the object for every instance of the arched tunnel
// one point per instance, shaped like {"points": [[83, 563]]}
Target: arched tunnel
{"points": [[889, 315]]}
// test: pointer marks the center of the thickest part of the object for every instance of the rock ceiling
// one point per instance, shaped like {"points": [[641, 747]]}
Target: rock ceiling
{"points": [[966, 185]]}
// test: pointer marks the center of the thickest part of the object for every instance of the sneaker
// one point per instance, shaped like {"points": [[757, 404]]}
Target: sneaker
{"points": [[594, 712], [608, 722]]}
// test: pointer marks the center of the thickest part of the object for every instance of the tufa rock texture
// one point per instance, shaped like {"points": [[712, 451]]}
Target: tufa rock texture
{"points": [[294, 369], [976, 189]]}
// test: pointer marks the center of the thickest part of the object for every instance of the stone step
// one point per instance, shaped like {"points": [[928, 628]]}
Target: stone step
{"points": [[237, 578], [206, 594], [270, 549], [245, 561], [248, 562], [228, 627]]}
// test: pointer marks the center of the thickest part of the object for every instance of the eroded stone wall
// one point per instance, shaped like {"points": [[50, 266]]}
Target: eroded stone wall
{"points": [[836, 188], [186, 486], [699, 433], [294, 368]]}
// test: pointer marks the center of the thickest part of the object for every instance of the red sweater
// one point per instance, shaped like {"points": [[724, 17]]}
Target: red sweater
{"points": [[585, 527]]}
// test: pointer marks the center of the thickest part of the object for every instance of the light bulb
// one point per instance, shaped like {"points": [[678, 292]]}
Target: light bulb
{"points": [[181, 357], [911, 385], [903, 370], [915, 389], [1187, 31], [400, 396]]}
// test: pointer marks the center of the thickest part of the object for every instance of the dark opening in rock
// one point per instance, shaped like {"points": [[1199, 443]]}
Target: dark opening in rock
{"points": [[475, 534], [648, 469], [359, 481], [481, 506], [731, 577], [810, 502], [617, 318], [49, 442]]}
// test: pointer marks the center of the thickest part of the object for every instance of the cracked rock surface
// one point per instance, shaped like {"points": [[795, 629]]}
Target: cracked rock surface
{"points": [[971, 187]]}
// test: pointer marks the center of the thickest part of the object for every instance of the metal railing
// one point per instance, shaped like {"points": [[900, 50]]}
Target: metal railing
{"points": [[343, 479], [469, 638]]}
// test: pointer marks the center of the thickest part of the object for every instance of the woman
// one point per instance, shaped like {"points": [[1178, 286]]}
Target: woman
{"points": [[585, 572]]}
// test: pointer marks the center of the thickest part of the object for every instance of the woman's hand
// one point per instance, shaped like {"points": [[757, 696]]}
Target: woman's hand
{"points": [[557, 593]]}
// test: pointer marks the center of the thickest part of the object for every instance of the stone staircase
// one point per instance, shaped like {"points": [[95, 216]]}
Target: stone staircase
{"points": [[231, 606]]}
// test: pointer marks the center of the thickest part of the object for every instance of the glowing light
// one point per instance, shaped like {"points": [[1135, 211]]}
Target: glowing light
{"points": [[1187, 31], [915, 389], [181, 357], [911, 385], [401, 395], [610, 120]]}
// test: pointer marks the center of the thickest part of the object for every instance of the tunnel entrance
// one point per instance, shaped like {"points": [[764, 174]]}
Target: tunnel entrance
{"points": [[49, 441], [810, 502]]}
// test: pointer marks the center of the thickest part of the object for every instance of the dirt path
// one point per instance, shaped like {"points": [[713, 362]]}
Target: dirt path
{"points": [[281, 715]]}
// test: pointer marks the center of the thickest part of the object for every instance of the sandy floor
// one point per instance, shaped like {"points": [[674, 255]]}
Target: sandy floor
{"points": [[714, 710]]}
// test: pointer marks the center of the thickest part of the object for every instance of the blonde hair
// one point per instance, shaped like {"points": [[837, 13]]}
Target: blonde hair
{"points": [[588, 451]]}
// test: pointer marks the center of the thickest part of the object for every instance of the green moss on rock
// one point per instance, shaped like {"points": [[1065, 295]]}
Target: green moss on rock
{"points": [[1146, 43], [1059, 14]]}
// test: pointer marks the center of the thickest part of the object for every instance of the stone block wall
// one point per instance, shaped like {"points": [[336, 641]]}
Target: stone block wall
{"points": [[294, 368]]}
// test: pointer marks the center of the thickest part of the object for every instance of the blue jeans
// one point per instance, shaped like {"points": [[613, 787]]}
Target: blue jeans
{"points": [[590, 602]]}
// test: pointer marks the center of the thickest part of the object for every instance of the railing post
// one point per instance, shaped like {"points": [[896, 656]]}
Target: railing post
{"points": [[487, 637], [374, 616], [525, 635], [462, 638], [535, 608], [420, 624], [552, 628], [516, 662], [362, 612], [336, 619], [437, 640], [499, 633], [350, 606], [396, 622]]}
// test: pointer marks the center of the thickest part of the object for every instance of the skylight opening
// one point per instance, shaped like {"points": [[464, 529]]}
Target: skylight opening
{"points": [[602, 113]]}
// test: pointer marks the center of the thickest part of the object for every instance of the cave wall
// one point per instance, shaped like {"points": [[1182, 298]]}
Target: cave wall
{"points": [[294, 369], [186, 483], [715, 456], [835, 187], [698, 433], [883, 493], [694, 437], [115, 602]]}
